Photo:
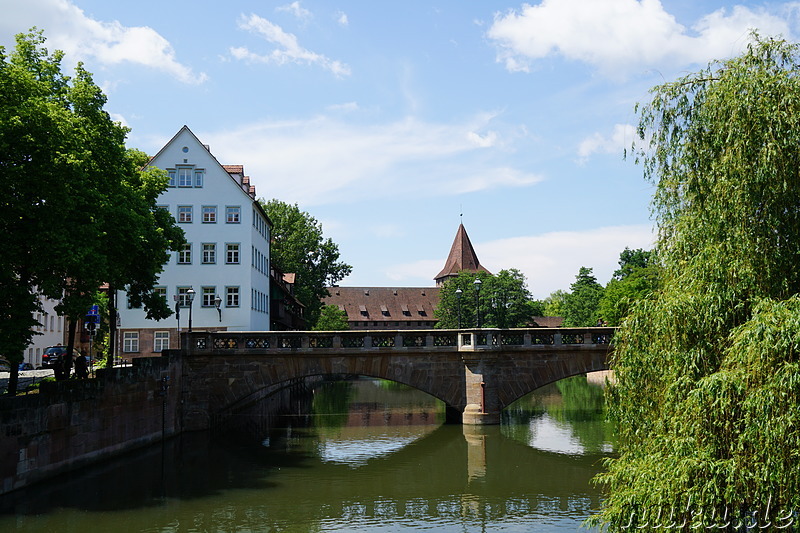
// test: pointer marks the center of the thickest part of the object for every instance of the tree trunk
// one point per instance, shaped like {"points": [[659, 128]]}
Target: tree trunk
{"points": [[13, 380], [66, 366], [112, 325]]}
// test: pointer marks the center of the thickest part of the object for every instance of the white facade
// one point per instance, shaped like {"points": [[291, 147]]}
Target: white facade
{"points": [[227, 254], [50, 331]]}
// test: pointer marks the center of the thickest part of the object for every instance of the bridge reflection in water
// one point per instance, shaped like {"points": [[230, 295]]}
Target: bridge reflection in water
{"points": [[323, 473], [476, 373]]}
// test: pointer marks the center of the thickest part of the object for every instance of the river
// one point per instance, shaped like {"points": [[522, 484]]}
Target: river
{"points": [[365, 456]]}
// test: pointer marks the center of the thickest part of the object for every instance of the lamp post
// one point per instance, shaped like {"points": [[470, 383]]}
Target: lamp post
{"points": [[190, 296], [217, 304], [477, 285], [459, 292]]}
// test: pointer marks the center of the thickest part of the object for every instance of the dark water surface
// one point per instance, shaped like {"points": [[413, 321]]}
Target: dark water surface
{"points": [[368, 456]]}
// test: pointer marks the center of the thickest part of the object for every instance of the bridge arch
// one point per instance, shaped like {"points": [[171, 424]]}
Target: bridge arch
{"points": [[474, 372]]}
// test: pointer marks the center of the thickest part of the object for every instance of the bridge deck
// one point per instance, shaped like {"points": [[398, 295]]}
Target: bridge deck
{"points": [[464, 340]]}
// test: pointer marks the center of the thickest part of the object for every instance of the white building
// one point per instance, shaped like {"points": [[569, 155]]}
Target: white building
{"points": [[51, 329], [226, 258]]}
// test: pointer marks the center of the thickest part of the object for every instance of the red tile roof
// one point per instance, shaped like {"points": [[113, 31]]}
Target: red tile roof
{"points": [[398, 307], [462, 257]]}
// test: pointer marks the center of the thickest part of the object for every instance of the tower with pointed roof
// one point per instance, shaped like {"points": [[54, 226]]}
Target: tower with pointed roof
{"points": [[462, 258]]}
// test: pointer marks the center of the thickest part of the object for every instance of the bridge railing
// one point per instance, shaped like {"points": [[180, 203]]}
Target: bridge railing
{"points": [[206, 342]]}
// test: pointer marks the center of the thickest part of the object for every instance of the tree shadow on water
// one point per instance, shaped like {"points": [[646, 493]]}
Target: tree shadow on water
{"points": [[194, 465]]}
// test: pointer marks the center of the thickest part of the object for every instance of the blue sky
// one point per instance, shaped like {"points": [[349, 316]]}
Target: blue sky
{"points": [[391, 122]]}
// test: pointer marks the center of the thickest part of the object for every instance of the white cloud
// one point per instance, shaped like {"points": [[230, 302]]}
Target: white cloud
{"points": [[419, 272], [622, 36], [483, 141], [324, 160], [82, 38], [549, 261], [342, 19], [288, 49], [295, 9], [346, 107], [490, 178], [620, 139]]}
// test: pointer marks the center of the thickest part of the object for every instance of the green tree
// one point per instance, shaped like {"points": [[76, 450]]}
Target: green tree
{"points": [[76, 210], [554, 304], [636, 278], [298, 247], [632, 260], [332, 318], [582, 303], [707, 399], [503, 301]]}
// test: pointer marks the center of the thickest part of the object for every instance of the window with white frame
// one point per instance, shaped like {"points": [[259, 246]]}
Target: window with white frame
{"points": [[185, 214], [232, 253], [209, 253], [209, 214], [185, 254], [184, 177], [231, 296], [183, 296], [160, 341], [172, 178], [130, 341], [233, 214], [198, 177], [209, 294]]}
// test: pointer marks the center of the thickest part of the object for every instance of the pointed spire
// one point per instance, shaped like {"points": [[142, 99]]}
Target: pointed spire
{"points": [[462, 258]]}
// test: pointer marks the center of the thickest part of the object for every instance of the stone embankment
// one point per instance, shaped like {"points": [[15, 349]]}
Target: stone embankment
{"points": [[73, 423]]}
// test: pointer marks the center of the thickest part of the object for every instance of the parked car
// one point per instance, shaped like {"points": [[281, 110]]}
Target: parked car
{"points": [[51, 355], [25, 366], [4, 365]]}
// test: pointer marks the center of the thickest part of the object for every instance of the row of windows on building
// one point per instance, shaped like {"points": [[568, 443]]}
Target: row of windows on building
{"points": [[207, 296], [260, 224], [396, 324], [260, 261], [185, 176], [44, 318], [208, 214], [259, 301], [209, 253], [130, 341]]}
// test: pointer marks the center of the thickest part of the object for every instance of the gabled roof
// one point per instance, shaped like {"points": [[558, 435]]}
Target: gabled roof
{"points": [[235, 172], [462, 257]]}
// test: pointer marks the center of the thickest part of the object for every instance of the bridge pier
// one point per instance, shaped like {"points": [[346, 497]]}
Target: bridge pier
{"points": [[480, 384]]}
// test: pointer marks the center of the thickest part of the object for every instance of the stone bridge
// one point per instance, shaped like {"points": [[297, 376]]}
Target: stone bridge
{"points": [[476, 373]]}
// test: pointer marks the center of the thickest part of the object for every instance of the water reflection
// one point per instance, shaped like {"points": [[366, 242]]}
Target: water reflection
{"points": [[380, 461]]}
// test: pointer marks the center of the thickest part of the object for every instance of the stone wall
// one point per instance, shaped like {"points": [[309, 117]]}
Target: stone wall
{"points": [[73, 423]]}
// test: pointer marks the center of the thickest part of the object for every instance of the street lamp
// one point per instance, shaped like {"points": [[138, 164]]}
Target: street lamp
{"points": [[459, 292], [217, 303], [190, 296], [477, 285]]}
